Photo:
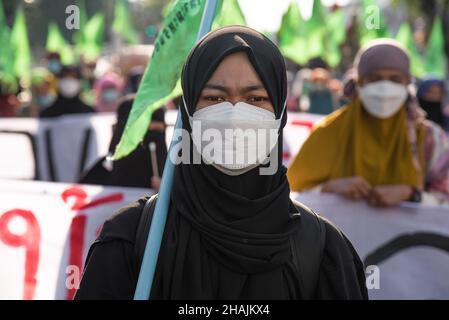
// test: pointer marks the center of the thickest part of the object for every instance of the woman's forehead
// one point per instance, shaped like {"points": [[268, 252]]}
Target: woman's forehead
{"points": [[234, 71], [387, 72]]}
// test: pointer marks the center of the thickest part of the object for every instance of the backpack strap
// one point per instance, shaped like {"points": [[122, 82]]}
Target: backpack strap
{"points": [[308, 249], [144, 228]]}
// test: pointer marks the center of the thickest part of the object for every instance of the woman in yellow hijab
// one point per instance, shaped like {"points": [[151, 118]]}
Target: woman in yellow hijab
{"points": [[374, 147]]}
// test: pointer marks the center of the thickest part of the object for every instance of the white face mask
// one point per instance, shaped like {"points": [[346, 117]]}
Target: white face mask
{"points": [[382, 99], [234, 138], [69, 87]]}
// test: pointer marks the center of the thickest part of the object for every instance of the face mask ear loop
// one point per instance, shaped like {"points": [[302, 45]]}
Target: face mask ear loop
{"points": [[283, 110], [282, 114], [185, 107]]}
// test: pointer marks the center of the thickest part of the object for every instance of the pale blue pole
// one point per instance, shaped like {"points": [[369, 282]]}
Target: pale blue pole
{"points": [[149, 262]]}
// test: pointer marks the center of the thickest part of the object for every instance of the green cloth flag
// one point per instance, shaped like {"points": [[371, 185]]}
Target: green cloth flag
{"points": [[92, 37], [292, 37], [230, 14], [372, 23], [320, 36], [335, 36], [122, 24], [316, 31], [57, 43], [405, 37], [20, 45], [6, 56], [435, 61], [78, 37], [160, 81]]}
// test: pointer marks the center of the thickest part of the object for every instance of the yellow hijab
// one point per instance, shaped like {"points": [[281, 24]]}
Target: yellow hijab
{"points": [[351, 142]]}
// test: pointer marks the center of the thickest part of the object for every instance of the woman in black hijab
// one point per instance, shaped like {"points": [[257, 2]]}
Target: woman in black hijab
{"points": [[228, 232]]}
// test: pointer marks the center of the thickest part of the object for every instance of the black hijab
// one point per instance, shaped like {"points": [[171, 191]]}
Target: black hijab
{"points": [[227, 237]]}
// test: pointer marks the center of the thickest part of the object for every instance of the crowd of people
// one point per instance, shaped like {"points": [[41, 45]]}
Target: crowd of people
{"points": [[230, 233], [53, 89], [360, 150]]}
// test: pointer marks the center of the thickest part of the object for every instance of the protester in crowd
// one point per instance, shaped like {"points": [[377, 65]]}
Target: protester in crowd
{"points": [[53, 62], [87, 70], [68, 100], [43, 91], [320, 96], [108, 90], [136, 169], [316, 91], [232, 232], [135, 75], [379, 147], [9, 104], [431, 97]]}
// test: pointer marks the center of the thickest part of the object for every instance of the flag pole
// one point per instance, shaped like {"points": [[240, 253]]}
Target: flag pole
{"points": [[153, 245]]}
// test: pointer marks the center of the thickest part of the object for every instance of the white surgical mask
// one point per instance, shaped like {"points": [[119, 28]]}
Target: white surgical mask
{"points": [[382, 99], [110, 95], [69, 87], [241, 135]]}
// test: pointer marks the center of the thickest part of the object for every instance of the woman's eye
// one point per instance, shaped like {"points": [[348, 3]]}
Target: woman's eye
{"points": [[258, 99], [214, 99]]}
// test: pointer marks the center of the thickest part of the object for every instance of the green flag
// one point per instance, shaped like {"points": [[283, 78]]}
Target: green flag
{"points": [[160, 81], [230, 14], [6, 56], [435, 61], [292, 37], [405, 37], [122, 25], [19, 44], [316, 31], [57, 43], [335, 36], [78, 37], [93, 33], [319, 36]]}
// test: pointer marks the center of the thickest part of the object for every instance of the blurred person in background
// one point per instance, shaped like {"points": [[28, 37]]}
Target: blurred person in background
{"points": [[9, 104], [68, 100], [316, 91], [317, 87], [136, 169], [379, 147], [431, 97], [134, 77], [43, 91], [53, 62], [108, 90], [89, 72]]}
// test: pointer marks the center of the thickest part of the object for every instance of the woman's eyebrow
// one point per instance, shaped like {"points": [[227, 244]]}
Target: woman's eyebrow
{"points": [[253, 88], [245, 89], [216, 87]]}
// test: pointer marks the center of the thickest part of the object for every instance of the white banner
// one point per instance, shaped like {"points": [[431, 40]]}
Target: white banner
{"points": [[410, 265], [45, 233], [53, 149], [46, 230]]}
